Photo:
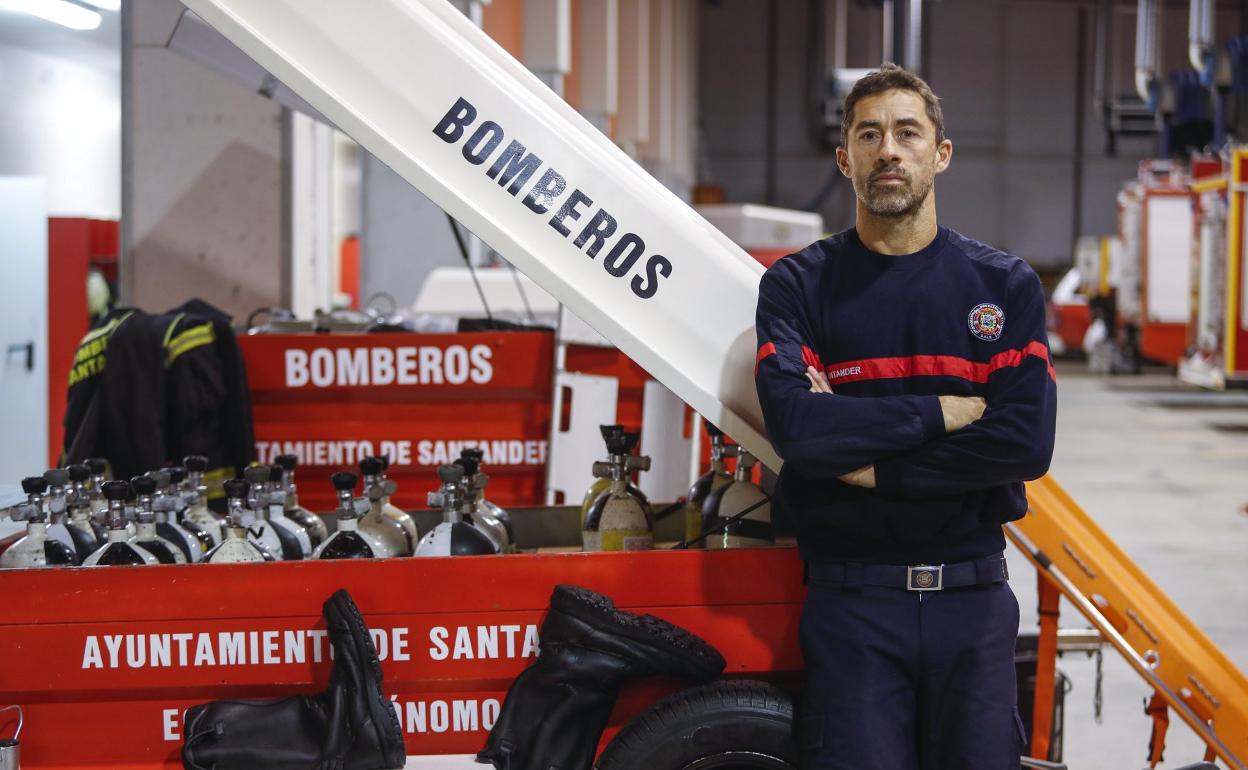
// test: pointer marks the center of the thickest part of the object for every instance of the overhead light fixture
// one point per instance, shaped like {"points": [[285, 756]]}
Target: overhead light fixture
{"points": [[104, 5], [57, 11]]}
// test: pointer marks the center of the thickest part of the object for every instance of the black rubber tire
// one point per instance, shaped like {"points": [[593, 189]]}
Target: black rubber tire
{"points": [[722, 725]]}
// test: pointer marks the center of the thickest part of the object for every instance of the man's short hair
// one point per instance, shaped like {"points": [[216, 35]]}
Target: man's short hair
{"points": [[888, 77]]}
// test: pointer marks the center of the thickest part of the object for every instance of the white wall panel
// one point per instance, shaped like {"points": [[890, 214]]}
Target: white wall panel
{"points": [[24, 321], [61, 121]]}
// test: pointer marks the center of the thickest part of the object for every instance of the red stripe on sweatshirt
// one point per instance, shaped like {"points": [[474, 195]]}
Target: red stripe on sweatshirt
{"points": [[936, 366], [811, 358], [768, 349]]}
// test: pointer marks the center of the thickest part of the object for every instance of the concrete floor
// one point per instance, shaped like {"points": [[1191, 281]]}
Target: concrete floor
{"points": [[1164, 471]]}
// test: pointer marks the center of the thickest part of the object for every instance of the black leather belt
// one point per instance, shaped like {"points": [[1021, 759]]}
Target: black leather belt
{"points": [[919, 577]]}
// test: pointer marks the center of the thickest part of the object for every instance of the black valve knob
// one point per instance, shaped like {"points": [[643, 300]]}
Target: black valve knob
{"points": [[385, 462], [161, 477], [143, 485], [257, 474], [276, 473], [34, 485], [469, 464], [116, 489], [476, 454], [615, 437], [79, 472], [450, 474], [288, 462], [371, 466], [630, 442], [98, 465], [177, 474], [195, 463], [236, 489], [344, 481], [57, 477]]}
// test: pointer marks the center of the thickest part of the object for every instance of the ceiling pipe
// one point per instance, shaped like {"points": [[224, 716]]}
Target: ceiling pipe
{"points": [[887, 31], [840, 35], [1104, 40], [1147, 49], [1200, 50], [913, 27]]}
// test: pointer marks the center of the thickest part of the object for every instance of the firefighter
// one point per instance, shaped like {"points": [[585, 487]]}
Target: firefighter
{"points": [[905, 379]]}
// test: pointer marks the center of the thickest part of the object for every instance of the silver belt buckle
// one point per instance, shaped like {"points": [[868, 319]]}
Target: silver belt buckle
{"points": [[925, 577]]}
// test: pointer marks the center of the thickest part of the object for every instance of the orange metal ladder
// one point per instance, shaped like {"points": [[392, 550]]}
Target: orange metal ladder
{"points": [[1189, 673]]}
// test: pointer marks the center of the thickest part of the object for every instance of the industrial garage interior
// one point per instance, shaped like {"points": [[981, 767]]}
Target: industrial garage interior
{"points": [[485, 276]]}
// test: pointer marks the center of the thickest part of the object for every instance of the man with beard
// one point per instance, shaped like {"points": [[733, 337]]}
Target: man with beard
{"points": [[905, 379]]}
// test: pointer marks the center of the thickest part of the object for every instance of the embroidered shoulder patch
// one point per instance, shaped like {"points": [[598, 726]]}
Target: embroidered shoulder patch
{"points": [[986, 321]]}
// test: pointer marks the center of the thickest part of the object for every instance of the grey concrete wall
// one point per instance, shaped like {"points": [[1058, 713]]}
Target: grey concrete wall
{"points": [[1006, 74], [403, 235], [202, 206]]}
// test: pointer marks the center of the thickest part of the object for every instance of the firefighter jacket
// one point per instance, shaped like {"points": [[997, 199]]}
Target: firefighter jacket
{"points": [[146, 390]]}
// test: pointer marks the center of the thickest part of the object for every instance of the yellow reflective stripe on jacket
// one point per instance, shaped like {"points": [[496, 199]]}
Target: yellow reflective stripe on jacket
{"points": [[106, 329], [215, 480], [194, 337], [169, 329]]}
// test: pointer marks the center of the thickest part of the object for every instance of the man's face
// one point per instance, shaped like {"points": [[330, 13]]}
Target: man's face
{"points": [[892, 155]]}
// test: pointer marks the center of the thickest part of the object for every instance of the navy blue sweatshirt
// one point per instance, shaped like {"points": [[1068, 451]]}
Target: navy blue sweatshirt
{"points": [[893, 333]]}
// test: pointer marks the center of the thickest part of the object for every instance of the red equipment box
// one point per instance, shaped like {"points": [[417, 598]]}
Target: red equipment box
{"points": [[332, 399], [104, 663]]}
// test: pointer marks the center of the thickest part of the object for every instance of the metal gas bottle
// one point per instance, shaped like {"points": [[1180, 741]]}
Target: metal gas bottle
{"points": [[392, 511], [754, 528], [487, 508], [612, 434], [237, 547], [718, 476], [380, 522], [95, 487], [481, 518], [259, 529], [119, 550], [10, 748], [35, 549], [195, 494], [296, 541], [619, 519], [313, 524], [164, 507], [88, 533], [174, 504], [56, 504], [454, 536], [166, 551], [349, 541]]}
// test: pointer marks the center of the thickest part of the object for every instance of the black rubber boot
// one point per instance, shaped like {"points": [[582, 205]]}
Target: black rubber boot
{"points": [[556, 709], [350, 726]]}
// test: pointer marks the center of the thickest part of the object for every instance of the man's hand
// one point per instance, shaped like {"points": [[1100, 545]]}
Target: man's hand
{"points": [[960, 411], [818, 380], [863, 477]]}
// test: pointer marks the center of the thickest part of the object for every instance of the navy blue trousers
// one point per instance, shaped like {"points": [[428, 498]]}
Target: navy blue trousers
{"points": [[900, 680]]}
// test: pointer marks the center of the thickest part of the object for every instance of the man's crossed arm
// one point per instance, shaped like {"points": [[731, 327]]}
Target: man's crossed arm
{"points": [[957, 411], [911, 446]]}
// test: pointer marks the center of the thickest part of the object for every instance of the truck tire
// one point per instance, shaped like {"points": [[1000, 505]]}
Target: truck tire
{"points": [[726, 725]]}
